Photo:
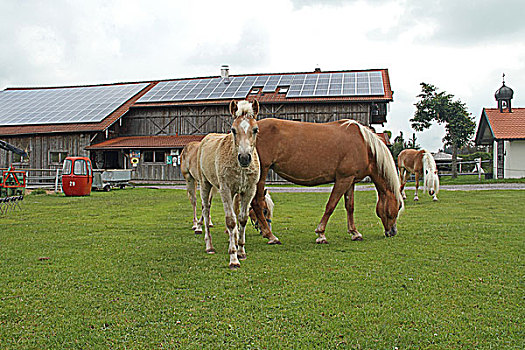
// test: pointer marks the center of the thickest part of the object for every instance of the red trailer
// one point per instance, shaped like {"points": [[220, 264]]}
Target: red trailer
{"points": [[77, 176]]}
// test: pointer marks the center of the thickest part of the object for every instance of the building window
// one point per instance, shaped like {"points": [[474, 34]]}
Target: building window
{"points": [[154, 156], [57, 157], [17, 158]]}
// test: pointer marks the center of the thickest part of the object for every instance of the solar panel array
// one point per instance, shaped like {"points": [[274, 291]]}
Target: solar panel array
{"points": [[300, 85], [64, 105]]}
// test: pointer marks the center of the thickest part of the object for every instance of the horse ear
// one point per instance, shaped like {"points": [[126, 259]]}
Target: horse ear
{"points": [[255, 107], [233, 107]]}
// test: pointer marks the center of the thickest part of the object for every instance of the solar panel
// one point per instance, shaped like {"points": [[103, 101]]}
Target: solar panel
{"points": [[64, 105], [300, 85]]}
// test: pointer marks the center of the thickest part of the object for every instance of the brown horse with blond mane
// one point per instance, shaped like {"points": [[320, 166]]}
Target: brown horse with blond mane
{"points": [[418, 162], [343, 152]]}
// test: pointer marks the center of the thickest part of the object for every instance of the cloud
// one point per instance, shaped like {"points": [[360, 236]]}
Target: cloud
{"points": [[461, 23]]}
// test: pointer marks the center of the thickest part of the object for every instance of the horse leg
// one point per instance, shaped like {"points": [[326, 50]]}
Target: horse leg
{"points": [[243, 219], [349, 205], [191, 188], [205, 199], [212, 193], [257, 206], [231, 226], [340, 187], [416, 198], [402, 177]]}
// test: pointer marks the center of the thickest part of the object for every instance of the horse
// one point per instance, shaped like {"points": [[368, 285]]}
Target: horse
{"points": [[230, 163], [343, 152], [267, 211], [189, 169], [418, 162]]}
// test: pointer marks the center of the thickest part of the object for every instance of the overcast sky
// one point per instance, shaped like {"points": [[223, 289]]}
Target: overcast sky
{"points": [[462, 47]]}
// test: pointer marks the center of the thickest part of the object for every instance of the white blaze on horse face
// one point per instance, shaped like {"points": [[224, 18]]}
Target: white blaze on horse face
{"points": [[245, 125]]}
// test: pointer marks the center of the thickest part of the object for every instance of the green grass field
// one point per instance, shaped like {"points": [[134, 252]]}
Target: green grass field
{"points": [[123, 270]]}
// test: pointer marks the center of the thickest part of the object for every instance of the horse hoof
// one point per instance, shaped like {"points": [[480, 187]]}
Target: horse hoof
{"points": [[416, 199], [357, 237], [241, 256], [234, 266], [198, 232], [210, 251], [435, 199], [321, 241], [274, 241]]}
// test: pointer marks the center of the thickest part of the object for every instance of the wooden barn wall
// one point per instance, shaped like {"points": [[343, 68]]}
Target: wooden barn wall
{"points": [[40, 146], [184, 120], [203, 120]]}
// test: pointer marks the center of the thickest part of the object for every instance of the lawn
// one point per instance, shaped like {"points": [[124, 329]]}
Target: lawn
{"points": [[123, 270]]}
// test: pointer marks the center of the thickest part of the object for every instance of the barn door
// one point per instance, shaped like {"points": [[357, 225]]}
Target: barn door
{"points": [[501, 159]]}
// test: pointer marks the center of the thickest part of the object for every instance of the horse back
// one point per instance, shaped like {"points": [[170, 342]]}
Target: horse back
{"points": [[311, 153], [411, 159]]}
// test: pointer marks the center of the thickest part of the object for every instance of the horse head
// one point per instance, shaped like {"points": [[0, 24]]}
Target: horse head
{"points": [[244, 130], [389, 206]]}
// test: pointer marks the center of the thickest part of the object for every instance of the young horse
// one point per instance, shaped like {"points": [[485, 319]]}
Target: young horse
{"points": [[189, 169], [343, 152], [418, 162], [230, 163]]}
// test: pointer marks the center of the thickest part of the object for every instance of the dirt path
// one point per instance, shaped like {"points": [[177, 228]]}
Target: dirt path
{"points": [[472, 187]]}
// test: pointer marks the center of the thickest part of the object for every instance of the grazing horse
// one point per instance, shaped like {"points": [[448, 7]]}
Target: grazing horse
{"points": [[189, 169], [418, 162], [343, 152], [230, 163]]}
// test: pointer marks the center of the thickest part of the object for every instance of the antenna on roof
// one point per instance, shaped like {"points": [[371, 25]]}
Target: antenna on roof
{"points": [[225, 73]]}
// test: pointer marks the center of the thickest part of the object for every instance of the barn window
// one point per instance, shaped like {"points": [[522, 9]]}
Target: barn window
{"points": [[154, 156], [57, 157], [17, 158]]}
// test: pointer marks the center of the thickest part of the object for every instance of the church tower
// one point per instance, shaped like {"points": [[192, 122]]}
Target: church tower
{"points": [[504, 96]]}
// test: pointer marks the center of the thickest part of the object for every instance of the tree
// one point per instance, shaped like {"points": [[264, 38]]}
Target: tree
{"points": [[440, 107], [398, 145]]}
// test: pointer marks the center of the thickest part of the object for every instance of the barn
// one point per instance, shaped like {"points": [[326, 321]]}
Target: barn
{"points": [[144, 125]]}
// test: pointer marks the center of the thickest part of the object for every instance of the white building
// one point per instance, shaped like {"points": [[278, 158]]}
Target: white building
{"points": [[503, 129]]}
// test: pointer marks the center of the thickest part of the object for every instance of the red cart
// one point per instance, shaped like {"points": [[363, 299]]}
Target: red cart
{"points": [[77, 176]]}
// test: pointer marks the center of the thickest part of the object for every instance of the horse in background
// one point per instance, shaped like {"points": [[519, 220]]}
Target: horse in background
{"points": [[189, 169], [343, 152], [229, 162], [418, 162]]}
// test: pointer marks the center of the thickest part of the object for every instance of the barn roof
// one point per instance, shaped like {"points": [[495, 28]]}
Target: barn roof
{"points": [[496, 125], [92, 108], [144, 142]]}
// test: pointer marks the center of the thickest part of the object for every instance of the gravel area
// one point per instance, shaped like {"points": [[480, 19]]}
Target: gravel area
{"points": [[472, 187]]}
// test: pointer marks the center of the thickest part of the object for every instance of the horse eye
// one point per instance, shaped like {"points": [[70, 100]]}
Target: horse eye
{"points": [[255, 130]]}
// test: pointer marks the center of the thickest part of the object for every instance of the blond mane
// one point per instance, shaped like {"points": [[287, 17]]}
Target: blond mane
{"points": [[385, 162], [244, 107]]}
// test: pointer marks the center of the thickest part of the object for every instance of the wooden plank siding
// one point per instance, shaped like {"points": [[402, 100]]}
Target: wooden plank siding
{"points": [[40, 146], [201, 120]]}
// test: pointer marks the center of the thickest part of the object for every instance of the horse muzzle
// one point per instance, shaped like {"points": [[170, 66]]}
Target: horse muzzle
{"points": [[392, 232], [244, 159]]}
